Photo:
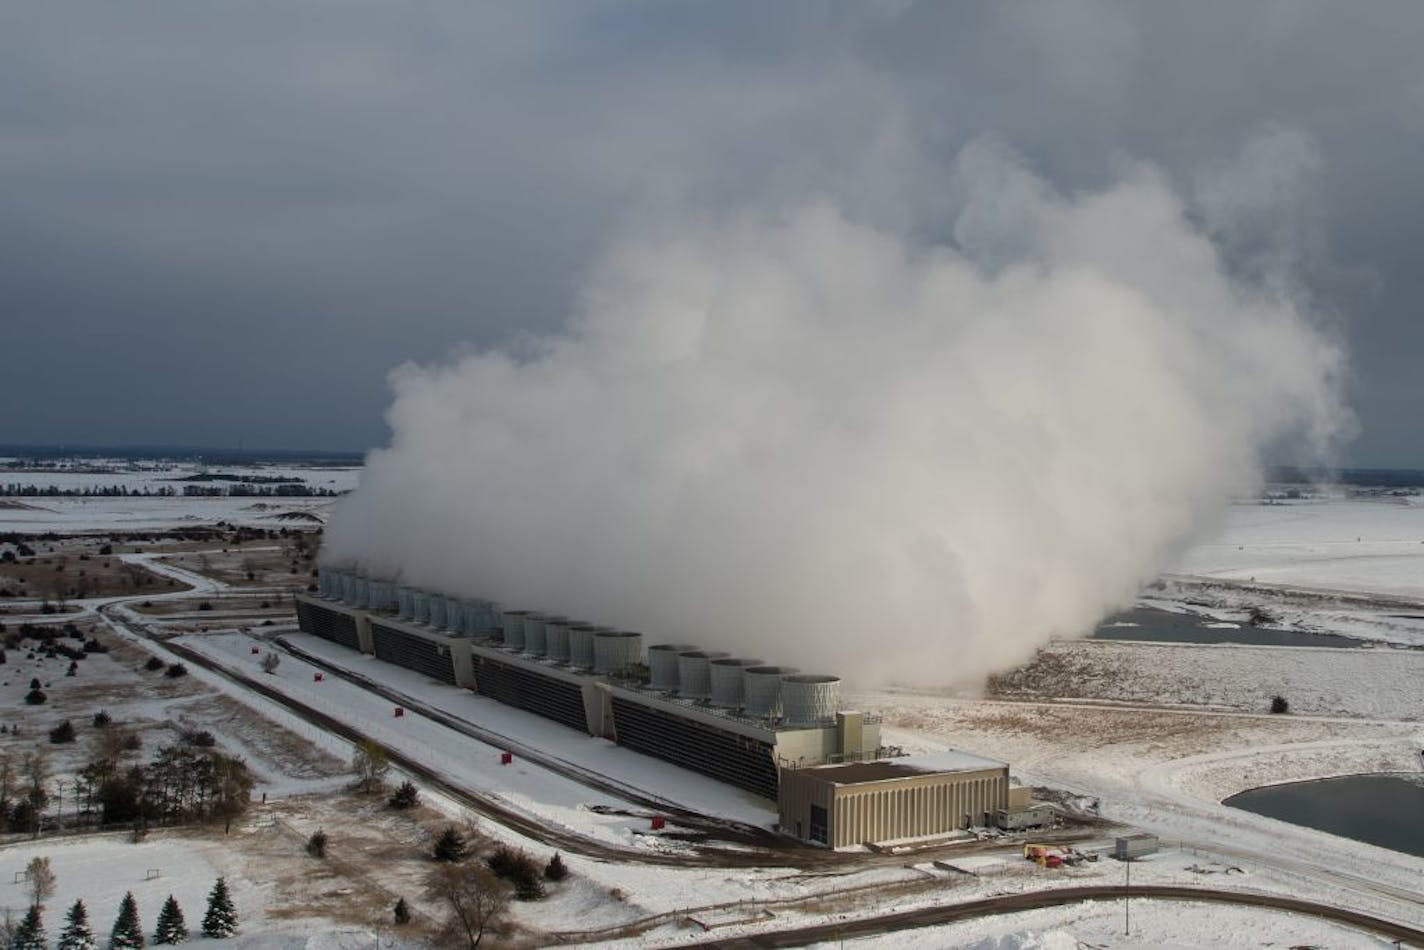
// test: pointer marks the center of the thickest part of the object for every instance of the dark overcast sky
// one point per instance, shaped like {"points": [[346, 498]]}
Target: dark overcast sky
{"points": [[224, 223]]}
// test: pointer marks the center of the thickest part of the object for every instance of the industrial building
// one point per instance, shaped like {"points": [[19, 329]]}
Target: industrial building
{"points": [[771, 730], [892, 799]]}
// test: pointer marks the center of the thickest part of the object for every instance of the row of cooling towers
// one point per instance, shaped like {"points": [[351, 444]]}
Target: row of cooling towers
{"points": [[737, 684]]}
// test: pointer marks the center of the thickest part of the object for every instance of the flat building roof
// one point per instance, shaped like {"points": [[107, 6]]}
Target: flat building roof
{"points": [[910, 766]]}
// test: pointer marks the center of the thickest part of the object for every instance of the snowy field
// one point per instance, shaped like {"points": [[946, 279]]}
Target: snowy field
{"points": [[1353, 566], [1154, 735], [40, 514], [1364, 545]]}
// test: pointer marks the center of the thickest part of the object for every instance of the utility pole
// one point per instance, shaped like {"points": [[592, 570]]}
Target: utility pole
{"points": [[1127, 899]]}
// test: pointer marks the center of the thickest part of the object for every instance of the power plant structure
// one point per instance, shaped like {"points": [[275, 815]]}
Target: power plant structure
{"points": [[772, 730], [735, 719]]}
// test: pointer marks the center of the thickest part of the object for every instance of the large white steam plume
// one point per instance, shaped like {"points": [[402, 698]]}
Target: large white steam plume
{"points": [[796, 437]]}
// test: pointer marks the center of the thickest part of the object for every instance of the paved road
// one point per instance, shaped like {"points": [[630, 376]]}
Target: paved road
{"points": [[990, 906]]}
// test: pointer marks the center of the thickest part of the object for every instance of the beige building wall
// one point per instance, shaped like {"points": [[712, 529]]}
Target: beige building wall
{"points": [[893, 808]]}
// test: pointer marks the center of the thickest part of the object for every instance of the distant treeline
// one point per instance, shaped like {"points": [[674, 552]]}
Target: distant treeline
{"points": [[1358, 477], [187, 453], [282, 489], [228, 477]]}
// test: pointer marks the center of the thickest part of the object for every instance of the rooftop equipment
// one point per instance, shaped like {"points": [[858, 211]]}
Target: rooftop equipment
{"points": [[348, 587], [810, 698], [481, 616], [556, 638], [363, 591], [761, 690], [535, 640], [616, 650], [436, 603], [420, 607], [512, 621], [694, 678], [383, 595], [405, 602], [454, 614], [662, 664], [581, 645], [727, 678]]}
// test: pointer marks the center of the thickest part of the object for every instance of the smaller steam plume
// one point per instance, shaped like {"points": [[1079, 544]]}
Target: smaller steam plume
{"points": [[798, 437]]}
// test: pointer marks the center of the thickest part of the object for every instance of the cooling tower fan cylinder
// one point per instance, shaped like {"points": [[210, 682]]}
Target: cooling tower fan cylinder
{"points": [[694, 675], [810, 698], [761, 690], [535, 641], [727, 678], [436, 603], [662, 664], [512, 622], [556, 638], [581, 645], [616, 650]]}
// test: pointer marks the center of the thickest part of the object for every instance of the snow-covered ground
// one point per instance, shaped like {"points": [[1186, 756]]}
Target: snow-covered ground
{"points": [[39, 514], [1353, 566], [1164, 734], [1368, 545], [1145, 924]]}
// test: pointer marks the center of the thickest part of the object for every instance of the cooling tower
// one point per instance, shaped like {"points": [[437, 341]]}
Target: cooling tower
{"points": [[810, 698], [727, 677], [662, 664], [556, 638], [512, 621], [616, 650], [581, 645], [348, 587], [436, 604], [383, 595], [535, 641], [420, 606], [405, 602], [472, 617], [482, 617], [454, 614], [323, 582], [694, 678], [761, 690]]}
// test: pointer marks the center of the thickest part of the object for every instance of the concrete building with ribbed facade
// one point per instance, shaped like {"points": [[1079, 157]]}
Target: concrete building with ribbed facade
{"points": [[892, 799]]}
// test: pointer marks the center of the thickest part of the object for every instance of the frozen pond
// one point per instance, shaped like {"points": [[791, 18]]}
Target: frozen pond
{"points": [[1164, 626], [1381, 809]]}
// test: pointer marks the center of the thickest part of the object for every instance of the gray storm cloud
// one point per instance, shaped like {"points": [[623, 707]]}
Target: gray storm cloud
{"points": [[796, 436]]}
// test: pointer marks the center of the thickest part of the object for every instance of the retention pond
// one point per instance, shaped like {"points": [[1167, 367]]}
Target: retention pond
{"points": [[1380, 809], [1163, 626]]}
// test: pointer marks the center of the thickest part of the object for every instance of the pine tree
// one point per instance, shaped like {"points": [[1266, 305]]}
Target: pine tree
{"points": [[171, 928], [402, 912], [76, 934], [30, 934], [127, 934], [221, 919]]}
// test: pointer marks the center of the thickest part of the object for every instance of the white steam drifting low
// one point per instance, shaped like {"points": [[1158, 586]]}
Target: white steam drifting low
{"points": [[796, 437]]}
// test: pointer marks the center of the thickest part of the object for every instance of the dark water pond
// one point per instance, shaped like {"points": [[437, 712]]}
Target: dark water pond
{"points": [[1162, 626], [1383, 809]]}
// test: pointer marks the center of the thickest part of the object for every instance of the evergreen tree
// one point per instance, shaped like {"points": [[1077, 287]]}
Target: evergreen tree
{"points": [[450, 846], [171, 928], [127, 934], [221, 919], [76, 934], [402, 912], [30, 934]]}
